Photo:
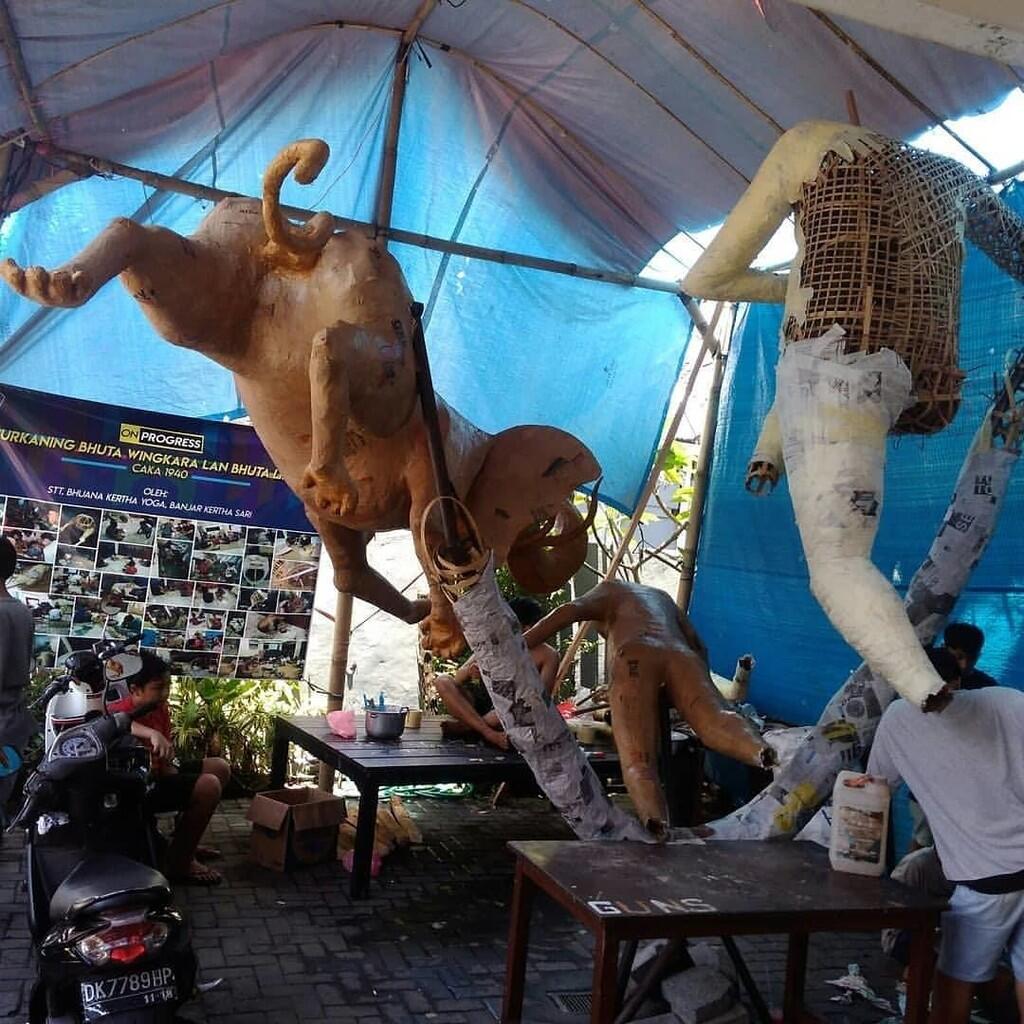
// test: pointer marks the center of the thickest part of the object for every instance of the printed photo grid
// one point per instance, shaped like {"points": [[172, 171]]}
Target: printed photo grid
{"points": [[214, 599]]}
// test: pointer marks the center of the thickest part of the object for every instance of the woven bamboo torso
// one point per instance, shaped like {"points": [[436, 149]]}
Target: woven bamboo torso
{"points": [[882, 257]]}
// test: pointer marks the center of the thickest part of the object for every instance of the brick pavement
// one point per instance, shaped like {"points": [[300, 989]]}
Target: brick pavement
{"points": [[428, 946]]}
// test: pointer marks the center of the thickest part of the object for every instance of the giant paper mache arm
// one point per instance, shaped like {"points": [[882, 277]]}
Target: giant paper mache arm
{"points": [[847, 725], [525, 709]]}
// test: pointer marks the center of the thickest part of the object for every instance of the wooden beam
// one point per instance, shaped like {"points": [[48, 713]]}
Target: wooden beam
{"points": [[11, 45], [701, 479], [167, 183], [339, 667], [389, 161]]}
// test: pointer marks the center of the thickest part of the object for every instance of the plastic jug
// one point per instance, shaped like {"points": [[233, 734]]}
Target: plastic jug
{"points": [[860, 824]]}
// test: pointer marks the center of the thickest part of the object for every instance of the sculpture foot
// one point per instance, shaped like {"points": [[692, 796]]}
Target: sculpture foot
{"points": [[61, 288], [441, 635], [330, 495]]}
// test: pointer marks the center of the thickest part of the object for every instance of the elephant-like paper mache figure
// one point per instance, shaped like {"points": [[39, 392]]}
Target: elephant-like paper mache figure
{"points": [[316, 327]]}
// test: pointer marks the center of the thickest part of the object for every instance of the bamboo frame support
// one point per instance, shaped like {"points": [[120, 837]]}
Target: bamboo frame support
{"points": [[167, 183], [892, 80], [708, 344], [12, 47], [389, 159], [681, 40], [339, 666], [702, 477]]}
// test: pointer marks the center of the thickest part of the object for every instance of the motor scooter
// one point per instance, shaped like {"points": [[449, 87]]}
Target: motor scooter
{"points": [[111, 946]]}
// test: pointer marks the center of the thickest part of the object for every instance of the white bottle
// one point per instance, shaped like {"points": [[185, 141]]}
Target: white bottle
{"points": [[860, 824]]}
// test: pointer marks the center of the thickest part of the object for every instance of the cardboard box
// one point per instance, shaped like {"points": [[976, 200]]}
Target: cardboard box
{"points": [[291, 827]]}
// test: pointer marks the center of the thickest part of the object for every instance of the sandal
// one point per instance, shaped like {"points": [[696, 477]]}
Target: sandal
{"points": [[206, 853], [198, 874]]}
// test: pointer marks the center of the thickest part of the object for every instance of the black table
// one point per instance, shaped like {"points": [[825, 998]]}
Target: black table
{"points": [[627, 891], [418, 757]]}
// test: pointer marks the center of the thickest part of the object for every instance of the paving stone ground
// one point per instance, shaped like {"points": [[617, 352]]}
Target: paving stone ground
{"points": [[428, 945]]}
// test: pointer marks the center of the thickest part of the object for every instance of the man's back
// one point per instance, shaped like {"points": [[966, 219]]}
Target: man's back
{"points": [[965, 766], [15, 664]]}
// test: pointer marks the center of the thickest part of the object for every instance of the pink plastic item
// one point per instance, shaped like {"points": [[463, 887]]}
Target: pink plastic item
{"points": [[348, 859], [342, 724]]}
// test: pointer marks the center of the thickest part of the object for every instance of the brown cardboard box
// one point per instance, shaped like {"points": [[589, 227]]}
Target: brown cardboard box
{"points": [[294, 826]]}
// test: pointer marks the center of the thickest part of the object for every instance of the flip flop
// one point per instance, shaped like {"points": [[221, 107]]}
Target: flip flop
{"points": [[205, 853], [198, 874]]}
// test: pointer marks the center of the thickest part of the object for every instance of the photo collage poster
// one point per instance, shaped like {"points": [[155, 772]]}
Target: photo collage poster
{"points": [[213, 599], [174, 530]]}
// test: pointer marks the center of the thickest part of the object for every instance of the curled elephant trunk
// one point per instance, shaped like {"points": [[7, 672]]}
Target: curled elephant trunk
{"points": [[307, 158], [546, 555]]}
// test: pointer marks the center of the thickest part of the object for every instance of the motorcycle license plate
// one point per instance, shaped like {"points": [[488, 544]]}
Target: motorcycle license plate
{"points": [[104, 996]]}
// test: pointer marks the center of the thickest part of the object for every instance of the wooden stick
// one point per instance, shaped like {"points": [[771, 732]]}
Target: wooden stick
{"points": [[428, 403], [708, 344], [688, 558], [339, 667], [851, 108], [16, 62], [389, 160]]}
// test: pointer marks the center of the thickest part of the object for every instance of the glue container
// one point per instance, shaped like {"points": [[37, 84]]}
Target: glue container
{"points": [[860, 824]]}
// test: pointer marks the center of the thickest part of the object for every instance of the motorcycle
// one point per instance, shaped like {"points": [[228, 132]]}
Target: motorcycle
{"points": [[111, 946]]}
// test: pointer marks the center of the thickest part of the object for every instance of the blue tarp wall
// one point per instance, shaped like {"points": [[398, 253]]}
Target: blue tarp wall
{"points": [[751, 591]]}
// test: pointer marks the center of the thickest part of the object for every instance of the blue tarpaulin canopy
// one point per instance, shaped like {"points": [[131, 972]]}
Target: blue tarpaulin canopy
{"points": [[584, 131]]}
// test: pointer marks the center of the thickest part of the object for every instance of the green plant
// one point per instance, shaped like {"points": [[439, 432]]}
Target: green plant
{"points": [[231, 718], [610, 525]]}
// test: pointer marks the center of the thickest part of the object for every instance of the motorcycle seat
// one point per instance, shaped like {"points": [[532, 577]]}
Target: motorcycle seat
{"points": [[97, 884]]}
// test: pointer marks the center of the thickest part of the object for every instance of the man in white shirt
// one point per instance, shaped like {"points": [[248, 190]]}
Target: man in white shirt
{"points": [[966, 769]]}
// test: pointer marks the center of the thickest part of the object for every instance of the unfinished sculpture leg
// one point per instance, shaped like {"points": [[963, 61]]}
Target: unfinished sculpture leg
{"points": [[531, 720], [835, 412], [847, 726], [639, 670]]}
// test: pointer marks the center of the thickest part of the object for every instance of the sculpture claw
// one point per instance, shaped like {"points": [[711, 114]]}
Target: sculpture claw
{"points": [[761, 478], [441, 635], [61, 288], [328, 495]]}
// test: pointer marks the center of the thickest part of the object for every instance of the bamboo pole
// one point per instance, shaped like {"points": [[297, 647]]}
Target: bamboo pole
{"points": [[389, 159], [892, 80], [339, 667], [688, 557], [708, 344], [16, 59], [168, 183]]}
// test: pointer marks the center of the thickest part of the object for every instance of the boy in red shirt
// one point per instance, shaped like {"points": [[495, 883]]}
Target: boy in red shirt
{"points": [[193, 788]]}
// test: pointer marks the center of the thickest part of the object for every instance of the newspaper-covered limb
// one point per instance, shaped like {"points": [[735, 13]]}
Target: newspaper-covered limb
{"points": [[846, 727], [532, 721]]}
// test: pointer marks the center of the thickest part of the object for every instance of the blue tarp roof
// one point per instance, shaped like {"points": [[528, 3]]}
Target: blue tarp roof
{"points": [[587, 131]]}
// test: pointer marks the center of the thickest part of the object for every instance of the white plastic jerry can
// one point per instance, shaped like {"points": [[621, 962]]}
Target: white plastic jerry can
{"points": [[860, 824]]}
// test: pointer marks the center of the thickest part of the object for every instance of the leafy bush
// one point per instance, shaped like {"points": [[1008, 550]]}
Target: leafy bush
{"points": [[233, 719]]}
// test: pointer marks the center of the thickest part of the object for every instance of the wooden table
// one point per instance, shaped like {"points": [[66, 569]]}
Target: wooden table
{"points": [[626, 891], [418, 757]]}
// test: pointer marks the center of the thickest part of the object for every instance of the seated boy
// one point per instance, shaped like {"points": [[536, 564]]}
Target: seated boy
{"points": [[193, 788], [466, 697]]}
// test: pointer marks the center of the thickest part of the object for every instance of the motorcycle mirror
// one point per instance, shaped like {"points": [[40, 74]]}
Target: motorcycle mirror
{"points": [[122, 666]]}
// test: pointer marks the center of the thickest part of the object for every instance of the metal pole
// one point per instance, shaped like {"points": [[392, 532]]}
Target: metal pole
{"points": [[688, 557], [339, 667]]}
